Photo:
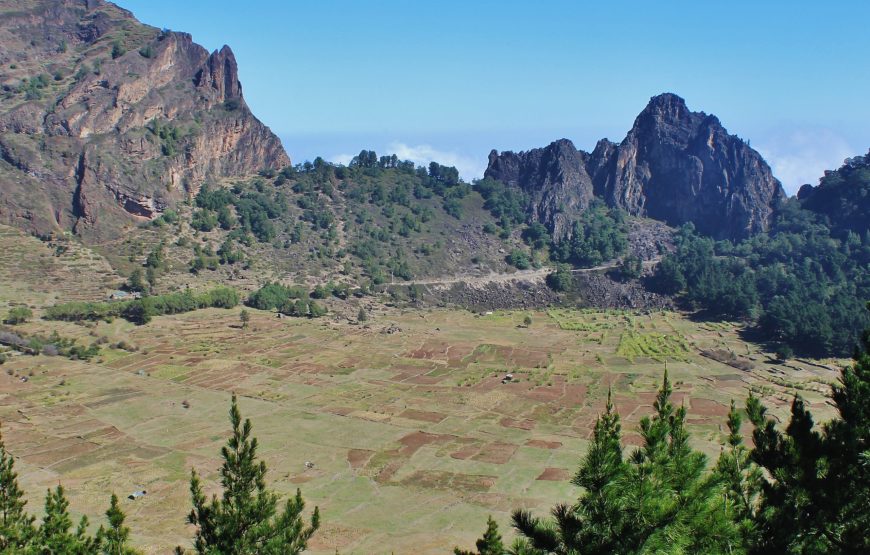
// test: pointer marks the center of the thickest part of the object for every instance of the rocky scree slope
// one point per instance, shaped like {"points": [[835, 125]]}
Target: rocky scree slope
{"points": [[105, 121], [674, 165]]}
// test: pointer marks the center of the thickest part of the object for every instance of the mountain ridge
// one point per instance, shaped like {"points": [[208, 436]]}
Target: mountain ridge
{"points": [[132, 121], [674, 165]]}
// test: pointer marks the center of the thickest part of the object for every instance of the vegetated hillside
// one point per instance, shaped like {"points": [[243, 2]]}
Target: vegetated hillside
{"points": [[674, 165], [367, 224], [842, 198], [377, 221], [799, 284], [105, 121]]}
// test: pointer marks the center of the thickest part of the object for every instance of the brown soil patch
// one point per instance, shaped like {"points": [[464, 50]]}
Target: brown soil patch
{"points": [[707, 407], [466, 452], [529, 359], [496, 453], [519, 424], [388, 472], [554, 475], [542, 444], [340, 411], [433, 479], [423, 416], [357, 458], [414, 441], [349, 363], [309, 368], [625, 407], [546, 393], [424, 380], [430, 350], [574, 395]]}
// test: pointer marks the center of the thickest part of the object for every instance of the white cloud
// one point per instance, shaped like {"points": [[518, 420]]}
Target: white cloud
{"points": [[469, 167], [803, 155], [343, 159]]}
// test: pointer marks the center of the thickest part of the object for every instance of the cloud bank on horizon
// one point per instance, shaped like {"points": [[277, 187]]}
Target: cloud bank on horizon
{"points": [[796, 157], [801, 156]]}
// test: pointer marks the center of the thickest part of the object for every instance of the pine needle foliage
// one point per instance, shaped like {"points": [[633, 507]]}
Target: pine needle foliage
{"points": [[489, 544], [816, 498], [245, 519], [658, 499], [114, 539], [16, 526]]}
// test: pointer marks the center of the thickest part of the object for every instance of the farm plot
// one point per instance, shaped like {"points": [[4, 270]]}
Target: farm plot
{"points": [[414, 437]]}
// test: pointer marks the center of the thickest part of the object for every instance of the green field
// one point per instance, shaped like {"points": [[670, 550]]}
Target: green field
{"points": [[413, 435]]}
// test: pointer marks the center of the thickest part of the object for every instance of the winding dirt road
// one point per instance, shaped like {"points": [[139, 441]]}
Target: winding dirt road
{"points": [[519, 275]]}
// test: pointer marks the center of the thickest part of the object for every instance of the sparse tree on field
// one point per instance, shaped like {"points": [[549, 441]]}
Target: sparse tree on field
{"points": [[245, 318], [114, 539], [362, 315], [527, 320], [151, 277], [489, 544], [18, 315], [245, 519], [136, 282]]}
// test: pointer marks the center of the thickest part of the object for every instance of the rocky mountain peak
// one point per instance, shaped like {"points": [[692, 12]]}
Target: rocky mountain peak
{"points": [[105, 121], [222, 74], [674, 165], [666, 107]]}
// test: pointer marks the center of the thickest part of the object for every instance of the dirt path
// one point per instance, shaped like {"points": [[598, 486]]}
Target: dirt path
{"points": [[519, 275]]}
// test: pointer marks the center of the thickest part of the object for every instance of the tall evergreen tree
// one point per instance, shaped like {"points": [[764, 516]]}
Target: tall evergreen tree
{"points": [[114, 539], [55, 534], [16, 526], [816, 495], [658, 500], [489, 544], [245, 520], [741, 478]]}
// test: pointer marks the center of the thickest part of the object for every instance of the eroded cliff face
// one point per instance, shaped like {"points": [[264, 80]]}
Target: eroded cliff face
{"points": [[674, 165], [554, 177], [125, 120]]}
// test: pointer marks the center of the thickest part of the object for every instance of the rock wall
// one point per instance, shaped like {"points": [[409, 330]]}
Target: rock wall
{"points": [[133, 120], [674, 165]]}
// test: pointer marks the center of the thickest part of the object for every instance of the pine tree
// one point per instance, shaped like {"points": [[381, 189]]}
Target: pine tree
{"points": [[815, 496], [658, 500], [16, 527], [114, 539], [741, 478], [489, 544], [245, 519], [54, 535]]}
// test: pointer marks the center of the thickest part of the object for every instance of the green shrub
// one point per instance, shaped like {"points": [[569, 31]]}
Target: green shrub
{"points": [[18, 315], [519, 259]]}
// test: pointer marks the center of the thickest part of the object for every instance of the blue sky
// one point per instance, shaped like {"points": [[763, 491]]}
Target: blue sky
{"points": [[452, 79]]}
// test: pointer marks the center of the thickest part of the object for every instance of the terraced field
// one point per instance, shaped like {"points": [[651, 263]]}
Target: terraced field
{"points": [[414, 434]]}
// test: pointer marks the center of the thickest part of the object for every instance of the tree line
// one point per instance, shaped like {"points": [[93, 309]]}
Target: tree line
{"points": [[799, 286], [140, 311]]}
